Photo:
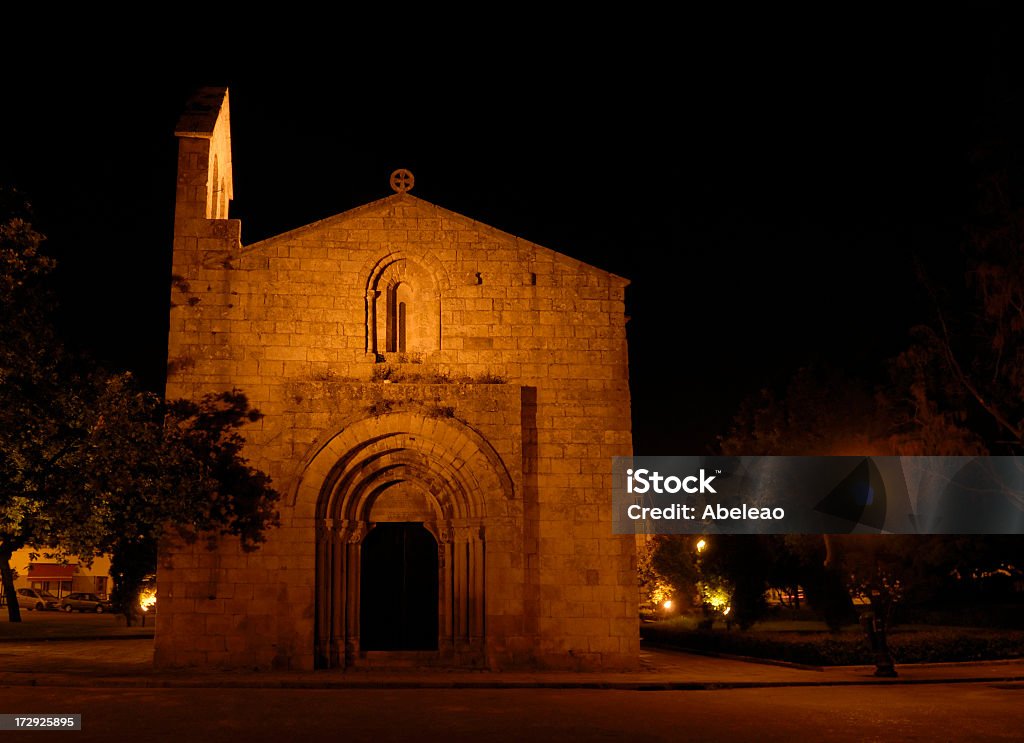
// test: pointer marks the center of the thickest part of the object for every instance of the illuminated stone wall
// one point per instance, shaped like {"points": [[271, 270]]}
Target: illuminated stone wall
{"points": [[401, 345]]}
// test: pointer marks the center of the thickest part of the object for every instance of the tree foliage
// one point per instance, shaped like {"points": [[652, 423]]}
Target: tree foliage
{"points": [[820, 411], [151, 468], [91, 464], [40, 416], [964, 372]]}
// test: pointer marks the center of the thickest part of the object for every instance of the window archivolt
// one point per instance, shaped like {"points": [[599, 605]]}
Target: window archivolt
{"points": [[403, 308]]}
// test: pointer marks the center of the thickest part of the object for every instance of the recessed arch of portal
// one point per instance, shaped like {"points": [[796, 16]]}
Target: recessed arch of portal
{"points": [[402, 468], [352, 492], [360, 443]]}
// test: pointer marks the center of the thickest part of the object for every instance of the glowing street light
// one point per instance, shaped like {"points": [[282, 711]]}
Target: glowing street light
{"points": [[147, 598], [701, 545]]}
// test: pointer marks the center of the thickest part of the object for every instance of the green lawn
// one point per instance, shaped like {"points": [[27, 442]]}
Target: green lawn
{"points": [[809, 642], [51, 625]]}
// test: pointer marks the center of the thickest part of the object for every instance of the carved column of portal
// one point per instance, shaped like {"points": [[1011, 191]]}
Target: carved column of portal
{"points": [[460, 588], [476, 582], [445, 588], [467, 575], [335, 602], [324, 549], [339, 594], [352, 570]]}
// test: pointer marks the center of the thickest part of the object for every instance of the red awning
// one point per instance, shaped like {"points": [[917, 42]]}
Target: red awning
{"points": [[51, 571]]}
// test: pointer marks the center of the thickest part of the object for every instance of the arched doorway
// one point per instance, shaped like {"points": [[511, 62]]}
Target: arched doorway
{"points": [[398, 605], [415, 482]]}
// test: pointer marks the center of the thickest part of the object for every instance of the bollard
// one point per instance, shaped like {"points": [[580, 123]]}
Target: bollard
{"points": [[874, 628]]}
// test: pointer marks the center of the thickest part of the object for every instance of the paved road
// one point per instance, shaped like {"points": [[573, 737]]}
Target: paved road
{"points": [[969, 712]]}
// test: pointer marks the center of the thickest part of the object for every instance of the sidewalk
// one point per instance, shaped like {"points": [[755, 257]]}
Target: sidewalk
{"points": [[126, 664]]}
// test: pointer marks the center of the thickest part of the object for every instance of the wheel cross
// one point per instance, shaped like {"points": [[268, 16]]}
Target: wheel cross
{"points": [[402, 181]]}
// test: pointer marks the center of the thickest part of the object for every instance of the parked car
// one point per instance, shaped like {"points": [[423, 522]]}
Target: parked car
{"points": [[37, 600], [85, 602]]}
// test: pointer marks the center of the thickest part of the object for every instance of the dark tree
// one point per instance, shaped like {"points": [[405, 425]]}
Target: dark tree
{"points": [[42, 418], [90, 463], [963, 377], [820, 412]]}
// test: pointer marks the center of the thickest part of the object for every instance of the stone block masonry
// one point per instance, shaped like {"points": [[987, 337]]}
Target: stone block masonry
{"points": [[414, 368]]}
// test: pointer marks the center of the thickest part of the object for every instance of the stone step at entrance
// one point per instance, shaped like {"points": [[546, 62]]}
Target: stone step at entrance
{"points": [[374, 660]]}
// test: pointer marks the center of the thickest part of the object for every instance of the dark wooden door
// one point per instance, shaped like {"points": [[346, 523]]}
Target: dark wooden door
{"points": [[398, 606]]}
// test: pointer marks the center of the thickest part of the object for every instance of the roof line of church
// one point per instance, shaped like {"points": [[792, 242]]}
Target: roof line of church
{"points": [[402, 197]]}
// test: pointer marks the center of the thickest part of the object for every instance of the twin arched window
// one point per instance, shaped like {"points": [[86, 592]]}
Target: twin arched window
{"points": [[399, 315], [403, 308]]}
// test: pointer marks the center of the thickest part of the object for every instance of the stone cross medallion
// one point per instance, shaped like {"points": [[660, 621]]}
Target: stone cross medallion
{"points": [[402, 181]]}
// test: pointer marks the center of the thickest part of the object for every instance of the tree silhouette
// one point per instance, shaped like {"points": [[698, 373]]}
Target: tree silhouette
{"points": [[91, 464]]}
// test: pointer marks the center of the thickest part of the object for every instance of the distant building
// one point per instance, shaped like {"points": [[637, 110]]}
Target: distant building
{"points": [[58, 578], [441, 404]]}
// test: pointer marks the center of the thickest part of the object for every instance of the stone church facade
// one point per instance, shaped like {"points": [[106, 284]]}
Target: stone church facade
{"points": [[441, 402]]}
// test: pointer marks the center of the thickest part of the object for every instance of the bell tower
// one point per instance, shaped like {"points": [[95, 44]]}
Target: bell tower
{"points": [[204, 157], [204, 238]]}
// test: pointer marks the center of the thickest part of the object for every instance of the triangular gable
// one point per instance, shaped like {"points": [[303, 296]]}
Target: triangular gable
{"points": [[375, 208]]}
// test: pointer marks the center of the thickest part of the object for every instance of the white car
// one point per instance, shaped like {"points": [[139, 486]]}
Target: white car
{"points": [[35, 599]]}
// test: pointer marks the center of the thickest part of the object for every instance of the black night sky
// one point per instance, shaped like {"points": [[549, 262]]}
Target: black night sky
{"points": [[765, 190]]}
